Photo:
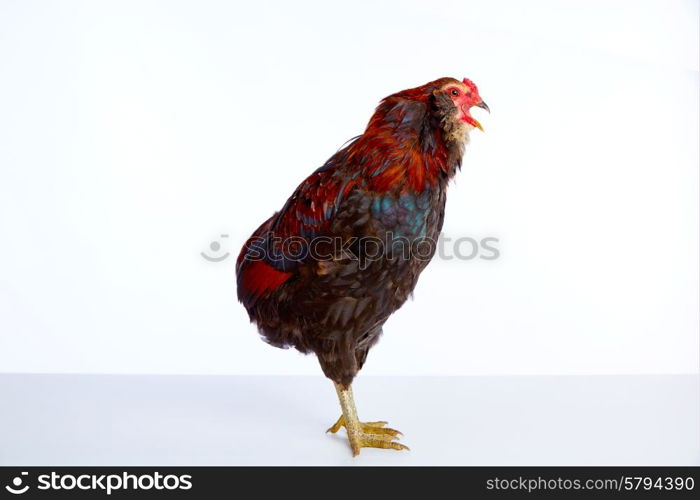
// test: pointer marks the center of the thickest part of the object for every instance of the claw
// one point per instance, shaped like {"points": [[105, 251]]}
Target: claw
{"points": [[371, 435], [336, 426]]}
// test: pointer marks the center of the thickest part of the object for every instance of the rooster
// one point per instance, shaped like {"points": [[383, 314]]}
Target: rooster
{"points": [[324, 273]]}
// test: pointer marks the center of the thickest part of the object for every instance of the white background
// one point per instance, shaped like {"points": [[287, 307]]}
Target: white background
{"points": [[132, 134]]}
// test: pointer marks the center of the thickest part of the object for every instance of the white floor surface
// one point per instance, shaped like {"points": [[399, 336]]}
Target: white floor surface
{"points": [[236, 420]]}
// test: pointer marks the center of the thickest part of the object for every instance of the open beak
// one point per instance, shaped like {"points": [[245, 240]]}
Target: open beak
{"points": [[483, 105], [469, 118]]}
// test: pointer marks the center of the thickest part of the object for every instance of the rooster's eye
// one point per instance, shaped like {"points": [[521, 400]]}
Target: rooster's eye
{"points": [[454, 93]]}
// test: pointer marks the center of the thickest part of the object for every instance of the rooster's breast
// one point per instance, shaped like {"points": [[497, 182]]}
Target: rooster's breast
{"points": [[388, 238], [394, 236], [408, 224]]}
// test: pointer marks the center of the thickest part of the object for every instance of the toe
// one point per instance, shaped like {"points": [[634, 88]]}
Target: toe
{"points": [[337, 425], [368, 429], [380, 423], [377, 441]]}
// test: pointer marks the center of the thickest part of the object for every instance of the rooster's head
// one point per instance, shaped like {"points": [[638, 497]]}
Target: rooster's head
{"points": [[454, 100]]}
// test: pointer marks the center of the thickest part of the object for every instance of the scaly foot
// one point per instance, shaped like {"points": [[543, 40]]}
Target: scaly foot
{"points": [[369, 435]]}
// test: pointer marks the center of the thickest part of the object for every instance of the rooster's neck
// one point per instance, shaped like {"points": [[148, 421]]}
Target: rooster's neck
{"points": [[405, 148]]}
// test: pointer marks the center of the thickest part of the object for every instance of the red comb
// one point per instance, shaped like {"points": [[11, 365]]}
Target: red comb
{"points": [[470, 84]]}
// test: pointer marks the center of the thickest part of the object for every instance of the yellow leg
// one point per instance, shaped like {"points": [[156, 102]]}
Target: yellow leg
{"points": [[363, 434]]}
